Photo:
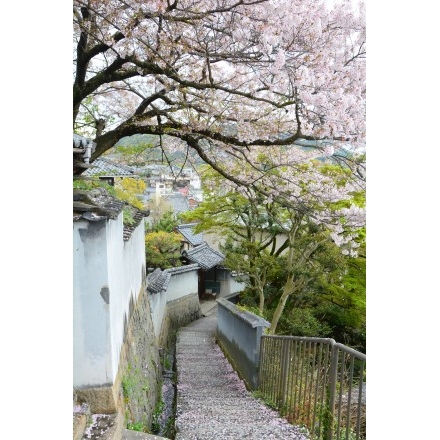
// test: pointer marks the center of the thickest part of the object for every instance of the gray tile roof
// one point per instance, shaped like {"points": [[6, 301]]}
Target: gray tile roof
{"points": [[106, 167], [97, 204], [138, 217], [182, 269], [158, 281], [204, 256], [178, 201], [188, 232]]}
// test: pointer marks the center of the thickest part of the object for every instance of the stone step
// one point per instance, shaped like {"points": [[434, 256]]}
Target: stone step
{"points": [[205, 372], [194, 341], [207, 394], [212, 431], [97, 426], [196, 329], [79, 425], [223, 416], [244, 403], [106, 427], [129, 434]]}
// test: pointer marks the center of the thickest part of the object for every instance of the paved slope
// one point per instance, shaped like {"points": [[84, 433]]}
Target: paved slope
{"points": [[212, 401]]}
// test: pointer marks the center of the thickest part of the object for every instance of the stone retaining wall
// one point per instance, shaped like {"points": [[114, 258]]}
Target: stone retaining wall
{"points": [[139, 373], [179, 313]]}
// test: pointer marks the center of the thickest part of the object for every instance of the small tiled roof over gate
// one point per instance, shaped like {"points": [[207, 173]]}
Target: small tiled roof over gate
{"points": [[204, 256]]}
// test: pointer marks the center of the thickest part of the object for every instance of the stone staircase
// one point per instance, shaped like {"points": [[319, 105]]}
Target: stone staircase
{"points": [[212, 401]]}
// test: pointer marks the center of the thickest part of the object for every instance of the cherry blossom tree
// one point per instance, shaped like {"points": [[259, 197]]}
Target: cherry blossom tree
{"points": [[228, 79]]}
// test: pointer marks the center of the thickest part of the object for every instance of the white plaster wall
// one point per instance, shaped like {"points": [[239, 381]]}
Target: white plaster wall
{"points": [[235, 286], [158, 304], [92, 364], [230, 286], [182, 284], [104, 262], [116, 286], [127, 263]]}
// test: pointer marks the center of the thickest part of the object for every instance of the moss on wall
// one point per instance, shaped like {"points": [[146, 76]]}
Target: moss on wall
{"points": [[140, 367]]}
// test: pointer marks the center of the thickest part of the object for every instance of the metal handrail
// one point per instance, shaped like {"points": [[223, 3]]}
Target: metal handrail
{"points": [[317, 383]]}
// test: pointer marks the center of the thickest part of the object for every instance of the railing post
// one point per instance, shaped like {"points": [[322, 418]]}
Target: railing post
{"points": [[284, 373], [329, 425]]}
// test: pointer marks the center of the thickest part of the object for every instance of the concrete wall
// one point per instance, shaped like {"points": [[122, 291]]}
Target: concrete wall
{"points": [[239, 334]]}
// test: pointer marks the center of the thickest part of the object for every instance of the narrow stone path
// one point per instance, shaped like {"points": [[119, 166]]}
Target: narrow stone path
{"points": [[212, 401]]}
